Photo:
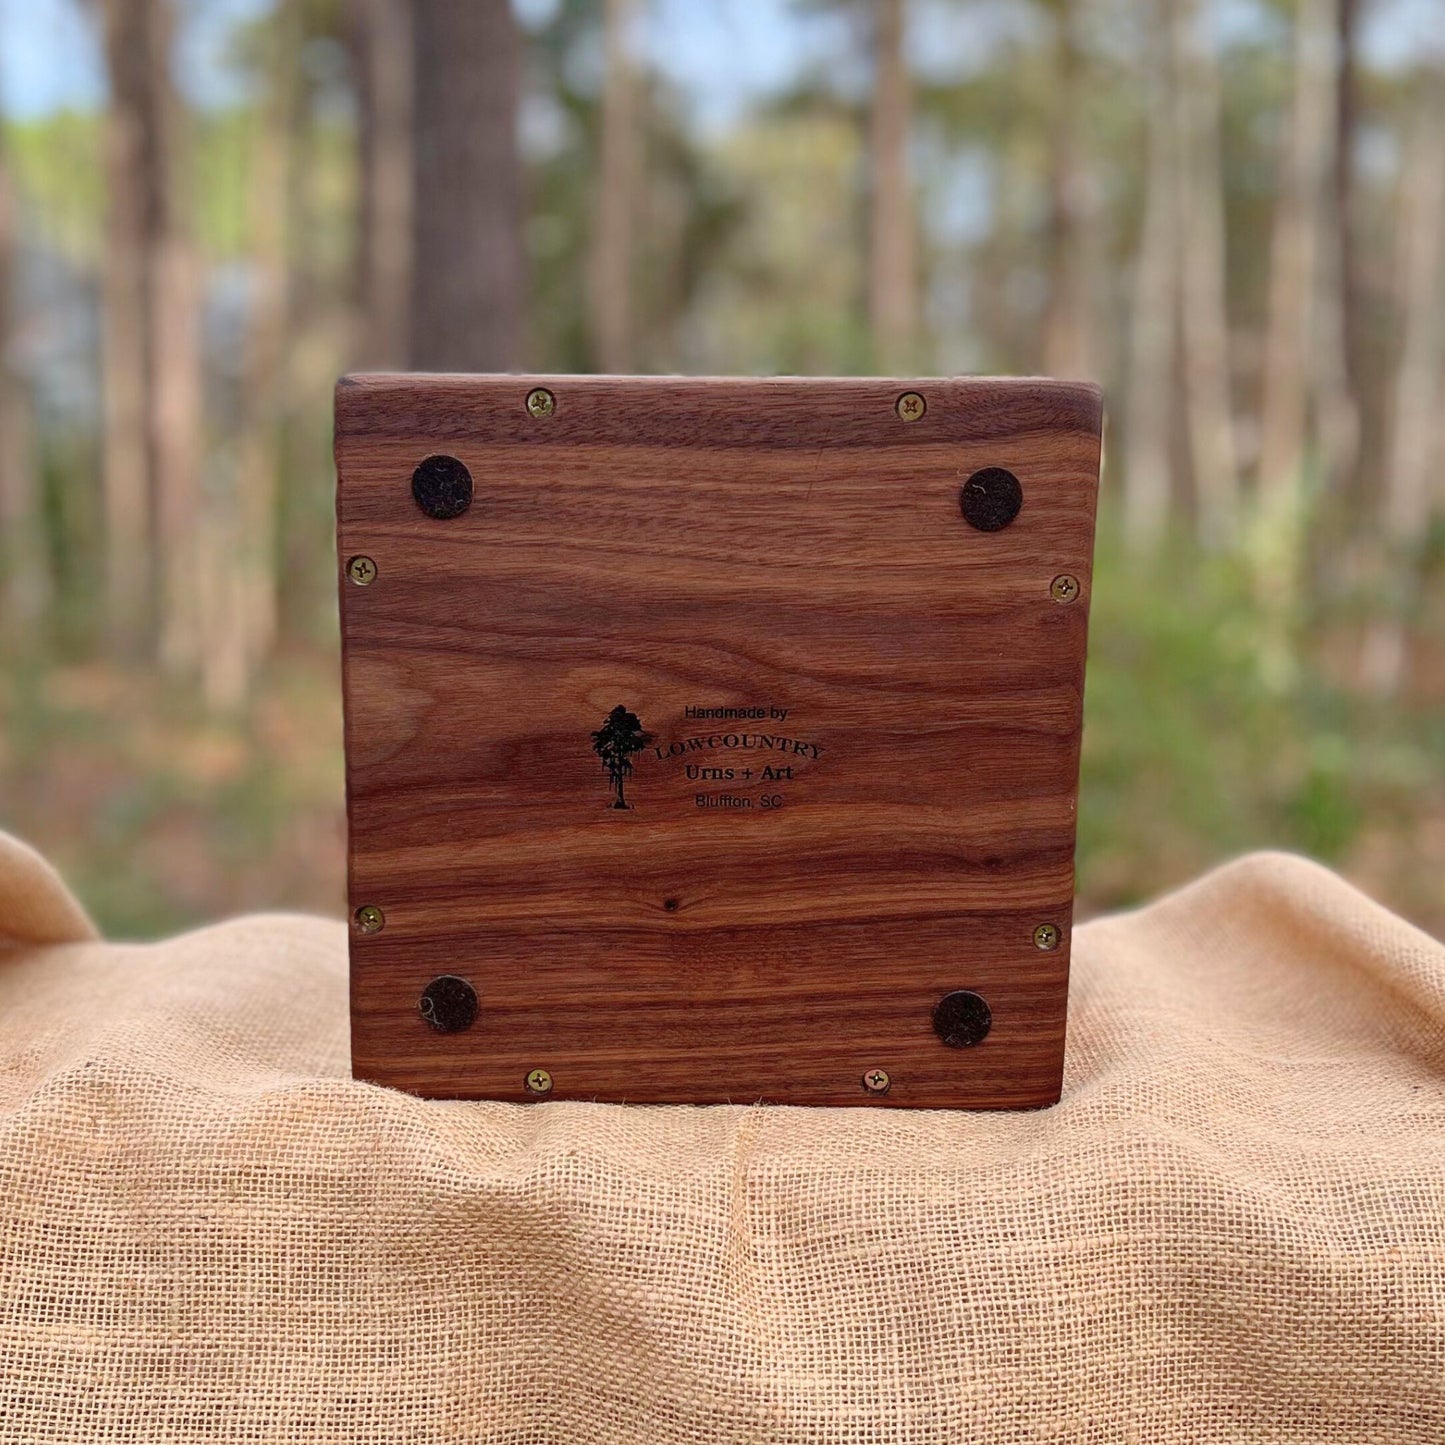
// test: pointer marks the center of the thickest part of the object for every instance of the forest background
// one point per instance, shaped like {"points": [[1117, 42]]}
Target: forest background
{"points": [[1230, 212]]}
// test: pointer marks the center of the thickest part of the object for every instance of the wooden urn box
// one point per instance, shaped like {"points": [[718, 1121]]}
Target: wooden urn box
{"points": [[713, 740]]}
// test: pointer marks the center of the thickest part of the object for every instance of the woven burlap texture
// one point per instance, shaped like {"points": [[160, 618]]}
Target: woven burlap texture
{"points": [[1231, 1229]]}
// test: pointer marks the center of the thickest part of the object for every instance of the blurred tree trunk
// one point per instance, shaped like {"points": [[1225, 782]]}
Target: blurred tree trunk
{"points": [[176, 373], [467, 272], [1336, 409], [381, 39], [24, 577], [1414, 452], [1204, 317], [242, 543], [617, 195], [1305, 162], [1153, 332], [1347, 113], [1294, 329], [892, 263], [129, 151], [152, 354], [1069, 329]]}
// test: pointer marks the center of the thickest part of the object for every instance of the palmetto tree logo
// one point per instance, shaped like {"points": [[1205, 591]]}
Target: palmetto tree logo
{"points": [[615, 742]]}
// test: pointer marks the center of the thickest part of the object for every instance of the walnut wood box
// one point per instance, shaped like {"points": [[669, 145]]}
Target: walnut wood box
{"points": [[823, 641]]}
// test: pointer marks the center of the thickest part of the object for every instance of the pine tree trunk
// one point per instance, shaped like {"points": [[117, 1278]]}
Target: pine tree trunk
{"points": [[611, 292], [1296, 327], [24, 579], [1336, 409], [152, 350], [891, 240], [1415, 456], [1294, 254], [1153, 324], [125, 466], [1204, 318], [242, 625], [381, 35], [1069, 330], [174, 294], [467, 272], [1347, 111]]}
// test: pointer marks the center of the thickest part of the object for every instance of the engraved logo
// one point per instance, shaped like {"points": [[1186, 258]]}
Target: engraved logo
{"points": [[620, 736]]}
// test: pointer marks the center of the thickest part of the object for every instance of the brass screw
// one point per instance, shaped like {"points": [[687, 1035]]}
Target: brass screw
{"points": [[910, 406], [362, 571], [876, 1081], [370, 919], [1046, 937], [539, 1081], [541, 402], [1064, 588]]}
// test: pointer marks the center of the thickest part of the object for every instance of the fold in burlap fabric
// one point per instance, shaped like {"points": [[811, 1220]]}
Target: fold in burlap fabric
{"points": [[1231, 1229]]}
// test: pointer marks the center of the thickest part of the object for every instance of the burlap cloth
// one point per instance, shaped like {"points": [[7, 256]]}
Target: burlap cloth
{"points": [[1231, 1229]]}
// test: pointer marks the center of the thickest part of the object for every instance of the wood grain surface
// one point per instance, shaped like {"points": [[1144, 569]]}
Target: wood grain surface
{"points": [[667, 545]]}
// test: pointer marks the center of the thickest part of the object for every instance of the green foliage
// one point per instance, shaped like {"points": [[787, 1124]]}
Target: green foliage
{"points": [[1190, 757], [59, 181], [785, 296]]}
